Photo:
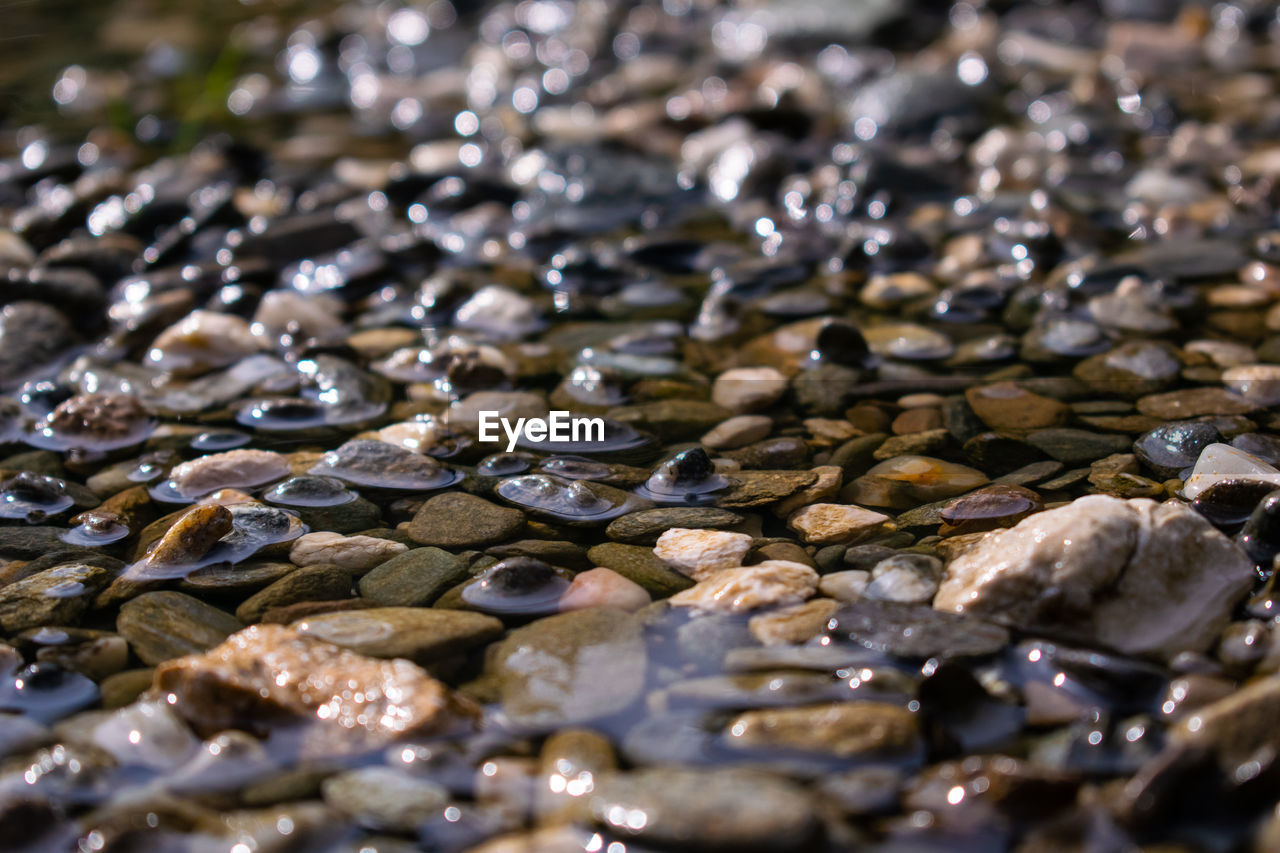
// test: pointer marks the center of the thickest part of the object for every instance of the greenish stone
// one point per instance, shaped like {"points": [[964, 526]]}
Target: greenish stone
{"points": [[419, 634], [856, 455], [644, 527], [414, 578], [640, 565], [164, 625], [321, 582], [460, 520], [1077, 446], [57, 596], [553, 551], [350, 517]]}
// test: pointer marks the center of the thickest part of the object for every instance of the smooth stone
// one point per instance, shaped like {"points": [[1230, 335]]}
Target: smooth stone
{"points": [[568, 764], [354, 553], [241, 579], [1169, 449], [203, 341], [57, 596], [289, 613], [1194, 402], [1131, 370], [1256, 383], [1219, 462], [910, 480], [908, 341], [846, 730], [988, 508], [793, 625], [782, 452], [423, 635], [337, 701], [915, 631], [737, 431], [1140, 577], [775, 582], [745, 389], [1260, 536], [188, 538], [232, 469], [914, 444], [640, 565], [917, 419], [603, 587], [726, 809], [701, 553], [350, 517], [415, 578], [310, 583], [1077, 446], [855, 456], [568, 555], [672, 420], [164, 625], [644, 527], [459, 520], [846, 586], [1006, 406], [758, 488], [830, 524], [1031, 474], [385, 798], [569, 668], [1000, 453], [905, 578], [124, 688]]}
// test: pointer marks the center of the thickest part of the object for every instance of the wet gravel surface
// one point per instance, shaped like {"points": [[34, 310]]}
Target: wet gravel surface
{"points": [[937, 496]]}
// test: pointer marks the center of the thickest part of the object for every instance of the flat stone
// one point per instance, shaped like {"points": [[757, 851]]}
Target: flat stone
{"points": [[672, 420], [415, 578], [744, 389], [1140, 577], [793, 625], [738, 431], [603, 588], [420, 634], [1131, 370], [310, 583], [233, 469], [862, 730], [757, 488], [727, 809], [1170, 448], [164, 625], [989, 508], [1077, 446], [775, 582], [644, 527], [270, 675], [640, 565], [385, 798], [829, 524], [830, 478], [570, 668], [1256, 383], [57, 596], [460, 520], [569, 555], [916, 443], [1193, 402], [350, 517], [240, 579], [915, 631], [354, 553], [1006, 406], [701, 553], [848, 585]]}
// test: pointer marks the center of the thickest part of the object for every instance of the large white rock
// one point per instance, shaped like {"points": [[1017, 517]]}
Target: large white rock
{"points": [[1137, 576], [1218, 462]]}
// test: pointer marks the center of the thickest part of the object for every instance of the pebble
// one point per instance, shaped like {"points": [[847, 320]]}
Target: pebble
{"points": [[905, 578], [384, 798], [728, 808], [915, 631], [1256, 383], [603, 587], [847, 730], [203, 341], [908, 481], [745, 389], [758, 488], [640, 565], [353, 553], [698, 553], [459, 520], [774, 582], [848, 585], [830, 478], [56, 596], [828, 524], [570, 668], [1140, 577], [321, 582], [793, 625], [423, 635], [164, 625], [646, 526], [737, 431], [988, 508], [269, 675], [188, 539], [1006, 406], [1194, 402], [1222, 462], [1169, 449], [414, 578], [233, 469]]}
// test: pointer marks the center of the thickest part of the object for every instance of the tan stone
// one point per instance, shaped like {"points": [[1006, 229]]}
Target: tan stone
{"points": [[235, 468], [830, 478], [773, 582], [700, 553], [792, 626], [830, 524], [357, 553]]}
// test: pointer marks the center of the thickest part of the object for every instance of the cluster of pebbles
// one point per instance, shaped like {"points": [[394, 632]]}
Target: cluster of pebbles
{"points": [[938, 351]]}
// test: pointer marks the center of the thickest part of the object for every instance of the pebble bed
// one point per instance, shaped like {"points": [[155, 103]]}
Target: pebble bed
{"points": [[937, 350]]}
